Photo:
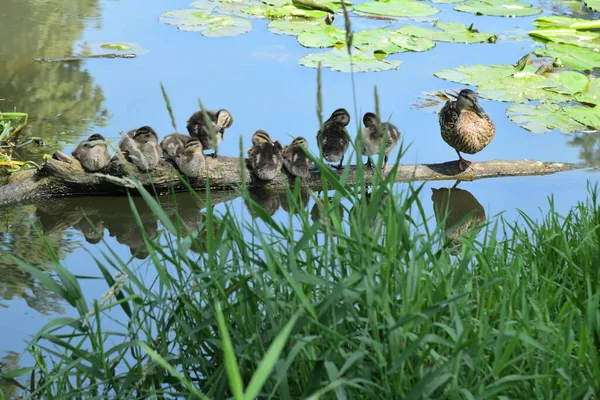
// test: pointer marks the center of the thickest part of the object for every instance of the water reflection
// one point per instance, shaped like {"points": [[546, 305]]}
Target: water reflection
{"points": [[462, 211], [589, 142], [272, 200], [9, 388], [61, 98]]}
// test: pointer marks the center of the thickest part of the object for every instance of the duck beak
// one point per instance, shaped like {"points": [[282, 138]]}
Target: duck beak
{"points": [[479, 111]]}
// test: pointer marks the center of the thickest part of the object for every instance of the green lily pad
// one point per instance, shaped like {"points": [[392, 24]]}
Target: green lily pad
{"points": [[87, 49], [339, 60], [593, 4], [587, 116], [321, 36], [575, 37], [377, 42], [566, 22], [519, 89], [543, 118], [592, 94], [446, 1], [412, 43], [285, 11], [209, 25], [498, 8], [116, 46], [449, 32], [475, 75], [571, 56], [293, 26], [568, 82], [397, 8]]}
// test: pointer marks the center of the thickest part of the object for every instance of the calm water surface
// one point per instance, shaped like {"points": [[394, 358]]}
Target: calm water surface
{"points": [[256, 76]]}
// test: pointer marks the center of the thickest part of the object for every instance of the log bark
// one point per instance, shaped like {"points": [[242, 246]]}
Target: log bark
{"points": [[63, 176]]}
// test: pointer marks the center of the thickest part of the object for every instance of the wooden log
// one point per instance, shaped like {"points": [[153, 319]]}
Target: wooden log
{"points": [[63, 176]]}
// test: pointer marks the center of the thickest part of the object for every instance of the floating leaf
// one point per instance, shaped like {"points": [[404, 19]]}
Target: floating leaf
{"points": [[543, 118], [446, 1], [498, 8], [312, 5], [566, 22], [285, 11], [571, 56], [339, 60], [207, 24], [412, 43], [322, 36], [568, 82], [292, 26], [475, 75], [116, 46], [449, 32], [592, 94], [567, 36], [585, 115], [593, 4], [377, 41], [397, 8], [95, 49]]}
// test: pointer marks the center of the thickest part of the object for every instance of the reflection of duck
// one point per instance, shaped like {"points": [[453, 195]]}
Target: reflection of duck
{"points": [[296, 162], [92, 153], [317, 212], [190, 160], [174, 143], [465, 126], [333, 138], [199, 128], [91, 227], [295, 203], [372, 137], [265, 156], [464, 212], [267, 199], [358, 211], [141, 148]]}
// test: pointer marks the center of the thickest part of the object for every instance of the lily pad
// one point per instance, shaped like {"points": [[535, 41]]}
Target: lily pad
{"points": [[339, 60], [498, 8], [412, 43], [475, 75], [92, 49], [293, 26], [285, 11], [571, 56], [566, 22], [322, 36], [585, 115], [213, 25], [543, 118], [519, 89], [446, 1], [449, 32], [575, 37], [568, 82], [593, 4], [397, 8], [116, 46], [592, 94]]}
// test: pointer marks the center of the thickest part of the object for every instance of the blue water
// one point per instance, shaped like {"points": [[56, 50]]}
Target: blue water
{"points": [[257, 78]]}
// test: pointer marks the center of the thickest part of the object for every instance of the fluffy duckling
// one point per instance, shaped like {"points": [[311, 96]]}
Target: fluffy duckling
{"points": [[141, 147], [465, 126], [333, 138], [372, 137], [190, 160], [199, 128], [295, 160], [92, 153], [265, 156], [174, 143]]}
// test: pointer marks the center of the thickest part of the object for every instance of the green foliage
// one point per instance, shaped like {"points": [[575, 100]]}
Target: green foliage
{"points": [[450, 32], [498, 8], [208, 24], [339, 60], [593, 4], [397, 8], [543, 118]]}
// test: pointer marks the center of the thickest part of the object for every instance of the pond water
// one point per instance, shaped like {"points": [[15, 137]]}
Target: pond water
{"points": [[255, 76]]}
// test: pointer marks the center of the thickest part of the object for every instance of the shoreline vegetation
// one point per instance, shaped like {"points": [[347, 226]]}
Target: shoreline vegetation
{"points": [[362, 301]]}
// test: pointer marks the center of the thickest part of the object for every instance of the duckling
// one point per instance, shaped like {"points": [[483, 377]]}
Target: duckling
{"points": [[333, 138], [372, 137], [174, 143], [199, 128], [295, 160], [190, 160], [92, 153], [141, 147], [265, 156], [465, 126]]}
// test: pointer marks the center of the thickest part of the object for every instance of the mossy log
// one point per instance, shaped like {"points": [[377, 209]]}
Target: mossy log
{"points": [[63, 176]]}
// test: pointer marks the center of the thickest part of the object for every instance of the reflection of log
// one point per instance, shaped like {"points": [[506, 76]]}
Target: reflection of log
{"points": [[59, 178]]}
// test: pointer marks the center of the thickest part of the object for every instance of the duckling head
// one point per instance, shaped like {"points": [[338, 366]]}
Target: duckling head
{"points": [[370, 119], [467, 100], [261, 136], [224, 121], [145, 134], [193, 146], [300, 141], [96, 140], [340, 116]]}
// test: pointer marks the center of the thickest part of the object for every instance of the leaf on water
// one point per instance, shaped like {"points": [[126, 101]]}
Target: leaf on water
{"points": [[575, 37], [194, 20], [312, 5], [449, 32], [593, 4], [475, 75], [571, 56], [285, 11], [397, 8], [566, 22], [339, 60], [116, 46], [412, 43], [568, 82], [446, 1], [293, 26], [585, 115], [377, 41], [592, 94], [543, 118], [498, 8], [320, 36]]}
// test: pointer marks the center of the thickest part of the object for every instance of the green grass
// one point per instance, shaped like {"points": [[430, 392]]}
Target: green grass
{"points": [[371, 306]]}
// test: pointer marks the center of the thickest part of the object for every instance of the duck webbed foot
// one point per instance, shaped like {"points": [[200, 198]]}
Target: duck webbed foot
{"points": [[463, 164], [369, 164], [340, 166]]}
